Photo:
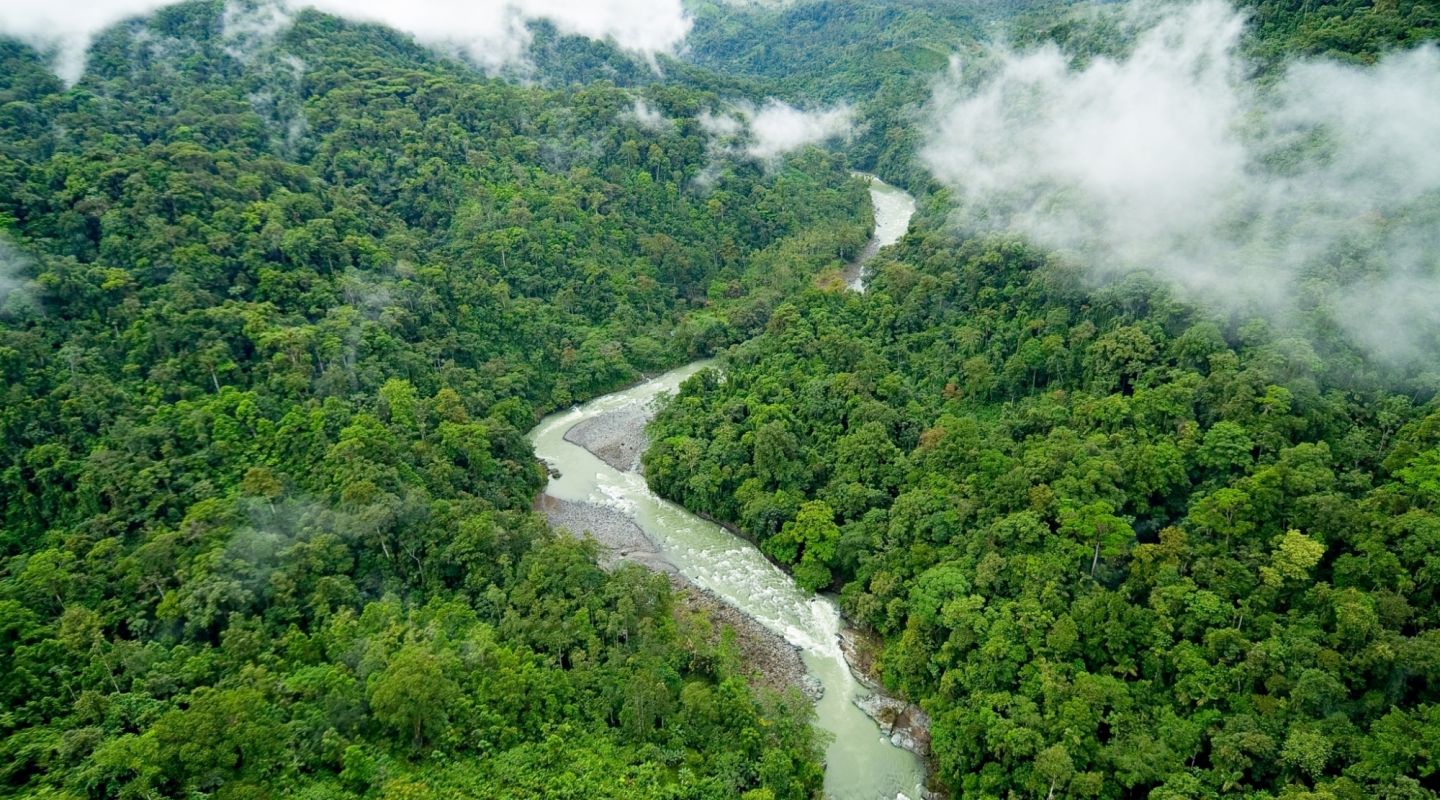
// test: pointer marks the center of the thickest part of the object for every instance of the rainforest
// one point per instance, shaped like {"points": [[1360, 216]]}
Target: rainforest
{"points": [[1047, 389]]}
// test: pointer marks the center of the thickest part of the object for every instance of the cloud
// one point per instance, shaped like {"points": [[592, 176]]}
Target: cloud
{"points": [[778, 128], [767, 132], [491, 32], [721, 125], [17, 295], [65, 29], [648, 117], [251, 28], [1169, 159]]}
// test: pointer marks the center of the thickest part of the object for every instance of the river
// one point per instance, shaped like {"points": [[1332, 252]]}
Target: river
{"points": [[893, 209], [861, 763]]}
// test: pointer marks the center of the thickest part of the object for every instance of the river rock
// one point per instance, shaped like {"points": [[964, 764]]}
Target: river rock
{"points": [[904, 722], [619, 537], [907, 726], [615, 437]]}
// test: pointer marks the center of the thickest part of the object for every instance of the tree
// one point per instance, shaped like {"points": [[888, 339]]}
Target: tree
{"points": [[1294, 556], [811, 539], [1096, 523], [413, 694]]}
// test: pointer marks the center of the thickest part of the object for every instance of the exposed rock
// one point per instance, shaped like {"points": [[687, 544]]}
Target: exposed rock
{"points": [[776, 662], [619, 537], [616, 437], [904, 722], [907, 726]]}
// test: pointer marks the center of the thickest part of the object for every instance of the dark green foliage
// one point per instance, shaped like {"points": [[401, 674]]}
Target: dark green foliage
{"points": [[1351, 30], [1114, 550], [879, 55], [265, 526]]}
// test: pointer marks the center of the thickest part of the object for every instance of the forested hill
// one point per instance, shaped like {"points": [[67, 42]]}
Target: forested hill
{"points": [[276, 315], [1117, 543], [278, 303], [883, 56]]}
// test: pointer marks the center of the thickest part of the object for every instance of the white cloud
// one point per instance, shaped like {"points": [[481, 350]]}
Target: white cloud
{"points": [[1169, 159], [648, 117], [721, 125], [492, 32], [777, 128], [16, 291], [251, 27], [770, 131], [66, 28]]}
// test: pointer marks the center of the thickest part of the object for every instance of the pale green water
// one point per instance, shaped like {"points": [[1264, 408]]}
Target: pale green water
{"points": [[893, 209], [861, 764]]}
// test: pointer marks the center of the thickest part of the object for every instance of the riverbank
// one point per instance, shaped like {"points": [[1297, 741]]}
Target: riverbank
{"points": [[618, 438], [593, 452], [905, 723], [772, 661]]}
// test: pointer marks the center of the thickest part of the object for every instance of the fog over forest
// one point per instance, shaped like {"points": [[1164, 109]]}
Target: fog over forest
{"points": [[1170, 157], [717, 399]]}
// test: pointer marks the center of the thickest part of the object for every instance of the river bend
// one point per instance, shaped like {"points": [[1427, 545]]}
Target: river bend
{"points": [[861, 763]]}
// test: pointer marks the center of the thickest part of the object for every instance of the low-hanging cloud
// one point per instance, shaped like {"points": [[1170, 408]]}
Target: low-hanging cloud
{"points": [[251, 28], [777, 128], [493, 33], [648, 117], [17, 296], [1169, 159], [65, 29], [769, 131]]}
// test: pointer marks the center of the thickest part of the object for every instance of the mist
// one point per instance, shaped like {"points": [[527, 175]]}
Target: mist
{"points": [[65, 29], [770, 131], [492, 33], [777, 128], [16, 294], [648, 117], [1317, 192]]}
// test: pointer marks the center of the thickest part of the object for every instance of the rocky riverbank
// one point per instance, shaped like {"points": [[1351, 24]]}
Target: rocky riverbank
{"points": [[904, 722], [617, 438], [619, 537], [774, 662]]}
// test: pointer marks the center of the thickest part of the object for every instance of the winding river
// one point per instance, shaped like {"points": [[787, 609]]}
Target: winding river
{"points": [[893, 209], [861, 763]]}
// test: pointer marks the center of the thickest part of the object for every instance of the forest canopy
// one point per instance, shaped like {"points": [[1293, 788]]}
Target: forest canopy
{"points": [[281, 293], [1123, 534], [275, 319]]}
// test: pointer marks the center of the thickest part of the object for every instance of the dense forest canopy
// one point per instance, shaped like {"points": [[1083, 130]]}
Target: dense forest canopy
{"points": [[279, 301], [1116, 543], [276, 317]]}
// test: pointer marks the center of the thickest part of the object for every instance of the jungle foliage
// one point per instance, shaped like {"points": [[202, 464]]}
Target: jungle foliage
{"points": [[1116, 545], [275, 318]]}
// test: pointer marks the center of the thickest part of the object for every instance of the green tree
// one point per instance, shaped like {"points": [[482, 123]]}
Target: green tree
{"points": [[413, 694]]}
